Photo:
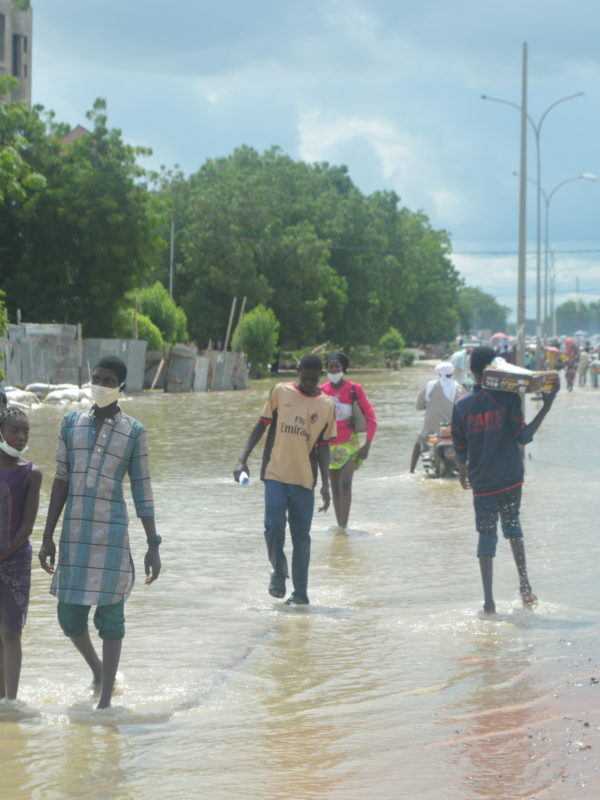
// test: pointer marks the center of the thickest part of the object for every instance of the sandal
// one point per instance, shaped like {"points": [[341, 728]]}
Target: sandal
{"points": [[277, 585], [527, 596]]}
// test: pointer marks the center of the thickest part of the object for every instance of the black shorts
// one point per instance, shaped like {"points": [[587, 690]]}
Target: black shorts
{"points": [[488, 507]]}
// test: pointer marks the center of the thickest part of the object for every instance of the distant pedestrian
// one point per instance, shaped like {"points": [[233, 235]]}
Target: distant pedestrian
{"points": [[301, 423], [571, 369], [584, 363], [460, 362]]}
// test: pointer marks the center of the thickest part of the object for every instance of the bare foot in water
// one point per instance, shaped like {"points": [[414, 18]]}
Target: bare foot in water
{"points": [[527, 596]]}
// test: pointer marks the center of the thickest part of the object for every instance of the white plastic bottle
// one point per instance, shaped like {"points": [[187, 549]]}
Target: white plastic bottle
{"points": [[244, 479]]}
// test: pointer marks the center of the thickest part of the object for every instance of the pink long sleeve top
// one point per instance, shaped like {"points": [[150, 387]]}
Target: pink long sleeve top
{"points": [[343, 409]]}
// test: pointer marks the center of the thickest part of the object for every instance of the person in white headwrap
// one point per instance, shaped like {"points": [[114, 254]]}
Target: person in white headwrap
{"points": [[437, 400]]}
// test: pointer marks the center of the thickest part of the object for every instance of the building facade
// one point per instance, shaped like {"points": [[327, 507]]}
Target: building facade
{"points": [[15, 47]]}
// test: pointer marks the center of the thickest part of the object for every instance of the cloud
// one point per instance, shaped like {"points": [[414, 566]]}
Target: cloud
{"points": [[390, 88], [400, 161]]}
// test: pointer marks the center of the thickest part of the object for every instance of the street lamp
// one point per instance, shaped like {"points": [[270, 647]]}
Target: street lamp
{"points": [[536, 127], [588, 176]]}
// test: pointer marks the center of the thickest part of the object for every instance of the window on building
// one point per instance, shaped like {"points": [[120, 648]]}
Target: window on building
{"points": [[24, 44], [17, 59], [2, 35]]}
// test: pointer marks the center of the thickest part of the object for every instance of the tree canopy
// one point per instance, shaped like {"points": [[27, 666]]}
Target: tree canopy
{"points": [[478, 310], [84, 228], [574, 315], [74, 248], [331, 262]]}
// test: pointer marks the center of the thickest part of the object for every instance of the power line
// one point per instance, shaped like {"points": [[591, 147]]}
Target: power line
{"points": [[319, 243], [515, 252]]}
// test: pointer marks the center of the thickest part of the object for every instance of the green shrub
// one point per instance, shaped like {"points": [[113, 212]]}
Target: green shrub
{"points": [[170, 319], [392, 342], [256, 335], [408, 357], [147, 330]]}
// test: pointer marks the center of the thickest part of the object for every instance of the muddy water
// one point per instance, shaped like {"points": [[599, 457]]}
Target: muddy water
{"points": [[390, 685]]}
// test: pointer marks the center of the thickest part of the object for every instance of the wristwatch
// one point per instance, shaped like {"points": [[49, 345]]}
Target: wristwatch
{"points": [[154, 539]]}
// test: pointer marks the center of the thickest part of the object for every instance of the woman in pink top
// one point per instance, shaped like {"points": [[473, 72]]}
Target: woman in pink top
{"points": [[345, 452]]}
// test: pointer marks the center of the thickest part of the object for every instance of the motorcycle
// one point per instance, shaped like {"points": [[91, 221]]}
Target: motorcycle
{"points": [[439, 460]]}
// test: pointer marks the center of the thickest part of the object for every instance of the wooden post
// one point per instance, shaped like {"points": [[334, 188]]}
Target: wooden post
{"points": [[135, 320], [233, 305], [171, 254], [158, 371], [242, 310], [79, 356]]}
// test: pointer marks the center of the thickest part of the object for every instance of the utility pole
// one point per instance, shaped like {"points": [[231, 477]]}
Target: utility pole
{"points": [[521, 313], [171, 252]]}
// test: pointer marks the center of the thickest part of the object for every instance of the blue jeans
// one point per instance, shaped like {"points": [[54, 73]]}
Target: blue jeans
{"points": [[289, 502]]}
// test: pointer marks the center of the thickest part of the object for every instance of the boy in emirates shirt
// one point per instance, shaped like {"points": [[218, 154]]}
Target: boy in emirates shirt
{"points": [[301, 422]]}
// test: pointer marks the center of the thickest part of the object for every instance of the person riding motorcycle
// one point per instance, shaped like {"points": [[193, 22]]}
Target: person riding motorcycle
{"points": [[437, 399]]}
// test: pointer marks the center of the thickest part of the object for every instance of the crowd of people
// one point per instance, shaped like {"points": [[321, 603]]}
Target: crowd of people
{"points": [[312, 431]]}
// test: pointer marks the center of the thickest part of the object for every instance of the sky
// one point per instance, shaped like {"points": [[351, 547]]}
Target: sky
{"points": [[390, 88]]}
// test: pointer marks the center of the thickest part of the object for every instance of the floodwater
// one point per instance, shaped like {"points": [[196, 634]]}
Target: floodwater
{"points": [[390, 685]]}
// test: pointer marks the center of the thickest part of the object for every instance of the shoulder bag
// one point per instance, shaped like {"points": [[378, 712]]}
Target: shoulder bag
{"points": [[358, 421]]}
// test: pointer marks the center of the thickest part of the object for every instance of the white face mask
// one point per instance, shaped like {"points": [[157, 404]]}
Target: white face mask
{"points": [[335, 377], [104, 395], [12, 451]]}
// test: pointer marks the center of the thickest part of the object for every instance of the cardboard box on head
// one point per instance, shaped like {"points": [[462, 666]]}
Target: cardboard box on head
{"points": [[505, 377]]}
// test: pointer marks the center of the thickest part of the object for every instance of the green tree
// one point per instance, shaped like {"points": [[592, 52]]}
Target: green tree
{"points": [[478, 310], [77, 247], [256, 335], [330, 262], [18, 181], [392, 342], [155, 303], [574, 315]]}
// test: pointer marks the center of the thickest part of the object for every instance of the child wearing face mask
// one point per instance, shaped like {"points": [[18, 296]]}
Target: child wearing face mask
{"points": [[20, 482], [96, 451], [345, 452]]}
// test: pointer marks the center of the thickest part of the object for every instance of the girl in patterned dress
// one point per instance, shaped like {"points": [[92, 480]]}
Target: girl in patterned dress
{"points": [[345, 452], [20, 482]]}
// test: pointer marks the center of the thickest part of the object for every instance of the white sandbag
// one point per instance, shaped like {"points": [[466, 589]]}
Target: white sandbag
{"points": [[40, 389], [20, 396], [72, 394]]}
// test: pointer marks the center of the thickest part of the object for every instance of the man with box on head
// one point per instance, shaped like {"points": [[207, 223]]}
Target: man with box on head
{"points": [[487, 429]]}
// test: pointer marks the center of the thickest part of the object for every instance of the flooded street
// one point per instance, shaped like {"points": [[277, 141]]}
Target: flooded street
{"points": [[390, 685]]}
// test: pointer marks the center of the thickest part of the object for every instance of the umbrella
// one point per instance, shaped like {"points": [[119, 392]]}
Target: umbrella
{"points": [[580, 333], [550, 349], [499, 336]]}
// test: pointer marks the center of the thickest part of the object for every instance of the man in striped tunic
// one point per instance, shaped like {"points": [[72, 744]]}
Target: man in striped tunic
{"points": [[95, 450]]}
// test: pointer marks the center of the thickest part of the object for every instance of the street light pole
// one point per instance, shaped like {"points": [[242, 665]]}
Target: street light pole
{"points": [[521, 314], [536, 127], [588, 176]]}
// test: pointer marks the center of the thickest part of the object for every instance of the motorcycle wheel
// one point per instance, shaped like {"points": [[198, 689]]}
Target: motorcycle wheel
{"points": [[448, 470]]}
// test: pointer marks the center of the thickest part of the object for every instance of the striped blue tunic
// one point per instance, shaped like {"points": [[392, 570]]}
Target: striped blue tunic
{"points": [[94, 562]]}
